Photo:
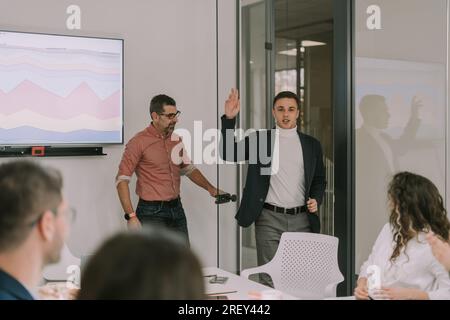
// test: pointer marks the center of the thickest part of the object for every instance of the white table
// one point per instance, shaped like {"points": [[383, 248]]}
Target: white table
{"points": [[238, 288]]}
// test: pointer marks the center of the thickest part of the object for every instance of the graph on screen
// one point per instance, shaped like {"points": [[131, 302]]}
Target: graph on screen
{"points": [[60, 89]]}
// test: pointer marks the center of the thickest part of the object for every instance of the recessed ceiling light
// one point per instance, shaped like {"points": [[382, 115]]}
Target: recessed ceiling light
{"points": [[290, 52], [305, 43], [309, 43]]}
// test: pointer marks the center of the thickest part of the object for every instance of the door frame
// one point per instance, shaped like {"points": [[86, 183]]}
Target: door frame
{"points": [[343, 138]]}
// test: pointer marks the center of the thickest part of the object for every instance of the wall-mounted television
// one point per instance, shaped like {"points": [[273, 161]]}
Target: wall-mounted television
{"points": [[60, 90]]}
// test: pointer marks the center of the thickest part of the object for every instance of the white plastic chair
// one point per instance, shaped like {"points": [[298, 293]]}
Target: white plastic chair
{"points": [[305, 265]]}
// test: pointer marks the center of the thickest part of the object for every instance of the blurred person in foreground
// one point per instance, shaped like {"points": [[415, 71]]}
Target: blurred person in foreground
{"points": [[34, 223], [154, 264]]}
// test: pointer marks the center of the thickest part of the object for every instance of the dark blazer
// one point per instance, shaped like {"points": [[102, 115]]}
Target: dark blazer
{"points": [[11, 289], [258, 146]]}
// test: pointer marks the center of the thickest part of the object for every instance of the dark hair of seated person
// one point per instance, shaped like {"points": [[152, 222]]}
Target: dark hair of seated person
{"points": [[149, 265], [416, 205]]}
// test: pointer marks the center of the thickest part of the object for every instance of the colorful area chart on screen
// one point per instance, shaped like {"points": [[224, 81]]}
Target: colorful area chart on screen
{"points": [[60, 89]]}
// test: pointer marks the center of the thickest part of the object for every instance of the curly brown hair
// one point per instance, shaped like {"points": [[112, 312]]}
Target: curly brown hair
{"points": [[416, 206]]}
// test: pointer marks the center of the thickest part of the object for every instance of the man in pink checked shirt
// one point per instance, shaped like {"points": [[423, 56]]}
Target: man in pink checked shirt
{"points": [[149, 155]]}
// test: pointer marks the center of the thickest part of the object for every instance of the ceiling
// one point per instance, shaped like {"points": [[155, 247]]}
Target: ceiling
{"points": [[301, 19]]}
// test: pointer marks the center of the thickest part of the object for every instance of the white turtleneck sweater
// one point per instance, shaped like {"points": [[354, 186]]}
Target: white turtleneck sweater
{"points": [[287, 184]]}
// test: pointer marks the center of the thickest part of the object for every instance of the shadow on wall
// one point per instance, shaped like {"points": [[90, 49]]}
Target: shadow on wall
{"points": [[377, 159]]}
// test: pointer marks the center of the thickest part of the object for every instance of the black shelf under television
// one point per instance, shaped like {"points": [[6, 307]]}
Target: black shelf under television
{"points": [[47, 151]]}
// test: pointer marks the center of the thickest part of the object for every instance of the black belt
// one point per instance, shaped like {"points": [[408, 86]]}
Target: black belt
{"points": [[171, 203], [296, 210]]}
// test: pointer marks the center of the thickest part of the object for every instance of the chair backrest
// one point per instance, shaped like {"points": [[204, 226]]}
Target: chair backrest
{"points": [[305, 265]]}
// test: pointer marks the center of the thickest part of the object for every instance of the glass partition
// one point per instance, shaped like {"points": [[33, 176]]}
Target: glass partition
{"points": [[400, 103]]}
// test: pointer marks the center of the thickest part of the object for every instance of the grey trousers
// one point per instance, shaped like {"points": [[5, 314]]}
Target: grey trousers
{"points": [[268, 229]]}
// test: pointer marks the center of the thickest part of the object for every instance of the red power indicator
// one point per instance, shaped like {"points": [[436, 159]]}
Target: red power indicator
{"points": [[38, 151]]}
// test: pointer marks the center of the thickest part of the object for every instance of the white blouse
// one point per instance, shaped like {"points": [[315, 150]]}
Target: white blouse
{"points": [[415, 267]]}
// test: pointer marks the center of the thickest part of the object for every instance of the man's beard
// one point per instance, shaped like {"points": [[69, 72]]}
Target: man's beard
{"points": [[169, 129]]}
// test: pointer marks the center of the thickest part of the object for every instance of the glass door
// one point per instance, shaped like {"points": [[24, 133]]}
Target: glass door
{"points": [[303, 54], [288, 45]]}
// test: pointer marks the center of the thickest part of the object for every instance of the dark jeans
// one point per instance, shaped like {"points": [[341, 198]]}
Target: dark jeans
{"points": [[171, 217]]}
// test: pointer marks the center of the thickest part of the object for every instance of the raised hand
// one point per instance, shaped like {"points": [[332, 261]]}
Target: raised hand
{"points": [[232, 105]]}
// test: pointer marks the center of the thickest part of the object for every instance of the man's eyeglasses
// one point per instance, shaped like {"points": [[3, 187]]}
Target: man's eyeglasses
{"points": [[171, 115], [69, 212]]}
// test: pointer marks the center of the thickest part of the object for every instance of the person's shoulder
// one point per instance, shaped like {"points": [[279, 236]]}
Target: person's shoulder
{"points": [[143, 133], [387, 229], [15, 291], [142, 138], [387, 226], [309, 138], [421, 239], [385, 235], [5, 295]]}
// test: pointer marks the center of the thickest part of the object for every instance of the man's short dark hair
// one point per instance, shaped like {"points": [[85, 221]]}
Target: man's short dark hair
{"points": [[160, 266], [158, 102], [286, 94], [26, 191]]}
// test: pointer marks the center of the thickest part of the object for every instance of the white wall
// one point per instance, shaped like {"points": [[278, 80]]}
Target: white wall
{"points": [[170, 47], [228, 172]]}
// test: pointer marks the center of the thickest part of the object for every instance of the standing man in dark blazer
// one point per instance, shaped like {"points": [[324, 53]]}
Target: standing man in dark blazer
{"points": [[286, 176]]}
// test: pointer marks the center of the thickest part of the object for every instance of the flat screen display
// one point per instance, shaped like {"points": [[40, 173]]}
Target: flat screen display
{"points": [[60, 90]]}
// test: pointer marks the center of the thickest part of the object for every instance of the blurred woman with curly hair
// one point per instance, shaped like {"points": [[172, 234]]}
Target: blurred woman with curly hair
{"points": [[407, 266]]}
